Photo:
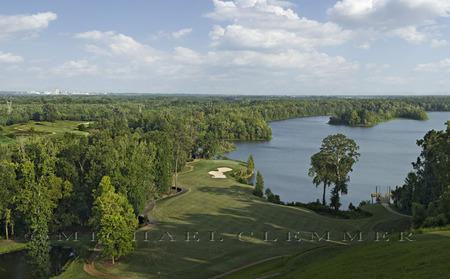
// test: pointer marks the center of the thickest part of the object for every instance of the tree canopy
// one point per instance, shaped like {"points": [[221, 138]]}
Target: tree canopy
{"points": [[113, 217]]}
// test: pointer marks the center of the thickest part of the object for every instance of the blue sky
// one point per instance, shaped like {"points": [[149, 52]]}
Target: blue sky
{"points": [[261, 47]]}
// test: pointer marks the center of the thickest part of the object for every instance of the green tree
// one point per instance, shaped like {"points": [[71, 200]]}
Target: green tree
{"points": [[50, 112], [322, 172], [7, 192], [419, 214], [428, 183], [444, 202], [39, 247], [340, 153], [258, 191], [250, 164], [113, 217], [36, 207], [354, 118]]}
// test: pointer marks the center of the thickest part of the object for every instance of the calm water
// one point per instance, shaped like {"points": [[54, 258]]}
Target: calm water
{"points": [[387, 151], [14, 265]]}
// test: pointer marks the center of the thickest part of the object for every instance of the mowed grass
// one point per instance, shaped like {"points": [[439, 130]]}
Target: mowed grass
{"points": [[426, 257], [58, 128], [181, 245], [83, 248]]}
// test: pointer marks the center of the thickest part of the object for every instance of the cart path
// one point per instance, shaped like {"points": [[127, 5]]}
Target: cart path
{"points": [[393, 211]]}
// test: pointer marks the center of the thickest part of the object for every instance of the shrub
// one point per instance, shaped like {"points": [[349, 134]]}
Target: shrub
{"points": [[82, 127]]}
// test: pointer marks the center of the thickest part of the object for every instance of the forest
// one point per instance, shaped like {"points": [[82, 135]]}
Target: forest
{"points": [[426, 192], [135, 142]]}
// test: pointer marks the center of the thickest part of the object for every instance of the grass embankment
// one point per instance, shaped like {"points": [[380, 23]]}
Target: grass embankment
{"points": [[58, 128], [83, 249], [7, 246], [227, 208]]}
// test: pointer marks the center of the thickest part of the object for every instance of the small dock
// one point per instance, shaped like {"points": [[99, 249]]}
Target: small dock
{"points": [[381, 198]]}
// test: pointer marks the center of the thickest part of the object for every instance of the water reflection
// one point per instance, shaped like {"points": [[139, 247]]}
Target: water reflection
{"points": [[15, 265]]}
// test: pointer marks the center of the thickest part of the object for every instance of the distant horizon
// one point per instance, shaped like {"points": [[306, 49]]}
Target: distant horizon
{"points": [[97, 93]]}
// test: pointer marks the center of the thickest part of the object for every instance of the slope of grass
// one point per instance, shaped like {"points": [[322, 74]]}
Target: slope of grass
{"points": [[180, 245], [83, 248], [58, 128], [426, 257]]}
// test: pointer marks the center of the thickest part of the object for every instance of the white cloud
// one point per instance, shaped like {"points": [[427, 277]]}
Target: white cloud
{"points": [[370, 65], [34, 69], [76, 68], [390, 18], [265, 24], [434, 67], [9, 58], [181, 33], [187, 55], [387, 13], [438, 43], [27, 25], [365, 46], [374, 67], [117, 45], [409, 34], [286, 63]]}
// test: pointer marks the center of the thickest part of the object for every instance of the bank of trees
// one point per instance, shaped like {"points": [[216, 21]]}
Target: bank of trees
{"points": [[426, 192], [226, 117]]}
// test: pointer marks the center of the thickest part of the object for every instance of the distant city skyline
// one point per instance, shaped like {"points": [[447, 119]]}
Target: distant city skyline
{"points": [[247, 47]]}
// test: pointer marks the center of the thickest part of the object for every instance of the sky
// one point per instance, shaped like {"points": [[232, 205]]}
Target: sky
{"points": [[249, 47]]}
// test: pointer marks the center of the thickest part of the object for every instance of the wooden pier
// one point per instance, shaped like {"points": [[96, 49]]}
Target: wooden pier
{"points": [[381, 198]]}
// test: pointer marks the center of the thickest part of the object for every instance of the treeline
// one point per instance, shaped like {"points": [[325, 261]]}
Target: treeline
{"points": [[426, 192], [229, 117], [67, 171]]}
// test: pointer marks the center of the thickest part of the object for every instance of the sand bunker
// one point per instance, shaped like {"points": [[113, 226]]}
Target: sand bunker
{"points": [[219, 172]]}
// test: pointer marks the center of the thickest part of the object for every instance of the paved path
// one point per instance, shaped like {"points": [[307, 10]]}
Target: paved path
{"points": [[393, 211], [89, 267]]}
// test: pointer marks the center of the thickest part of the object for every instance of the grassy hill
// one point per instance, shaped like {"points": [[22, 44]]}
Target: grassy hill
{"points": [[227, 208], [58, 128]]}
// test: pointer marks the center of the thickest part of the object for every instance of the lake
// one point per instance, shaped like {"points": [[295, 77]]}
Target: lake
{"points": [[387, 151]]}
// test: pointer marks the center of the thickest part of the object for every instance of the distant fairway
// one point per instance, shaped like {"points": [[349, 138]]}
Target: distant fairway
{"points": [[58, 128], [227, 208]]}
